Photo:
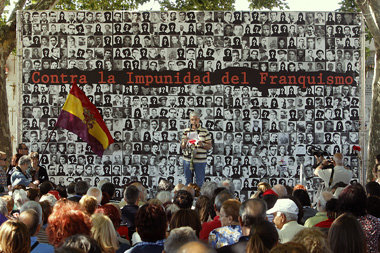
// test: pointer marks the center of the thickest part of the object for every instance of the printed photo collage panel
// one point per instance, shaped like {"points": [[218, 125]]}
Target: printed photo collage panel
{"points": [[256, 135]]}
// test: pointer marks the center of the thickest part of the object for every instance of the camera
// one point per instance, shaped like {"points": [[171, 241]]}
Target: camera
{"points": [[316, 151]]}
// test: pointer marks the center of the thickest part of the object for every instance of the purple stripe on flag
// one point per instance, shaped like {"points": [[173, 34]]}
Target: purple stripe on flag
{"points": [[74, 124]]}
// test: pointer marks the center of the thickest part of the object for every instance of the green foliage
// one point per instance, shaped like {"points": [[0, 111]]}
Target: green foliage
{"points": [[348, 6], [98, 4], [187, 5], [268, 4]]}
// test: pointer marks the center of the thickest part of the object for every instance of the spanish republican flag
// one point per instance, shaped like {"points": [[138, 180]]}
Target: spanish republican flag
{"points": [[81, 117]]}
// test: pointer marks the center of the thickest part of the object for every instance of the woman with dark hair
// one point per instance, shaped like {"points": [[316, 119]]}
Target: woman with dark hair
{"points": [[203, 207], [151, 226], [183, 199], [353, 199], [186, 217], [346, 235], [262, 237]]}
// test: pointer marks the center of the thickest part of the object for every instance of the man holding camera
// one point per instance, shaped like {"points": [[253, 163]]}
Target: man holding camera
{"points": [[332, 171]]}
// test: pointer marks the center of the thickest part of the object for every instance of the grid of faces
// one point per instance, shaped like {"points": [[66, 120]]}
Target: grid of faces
{"points": [[257, 136]]}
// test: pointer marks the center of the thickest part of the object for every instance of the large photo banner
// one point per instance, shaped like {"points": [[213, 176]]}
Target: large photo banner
{"points": [[271, 87]]}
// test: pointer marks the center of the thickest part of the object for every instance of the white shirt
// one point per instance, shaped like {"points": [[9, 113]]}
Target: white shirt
{"points": [[288, 231], [341, 174]]}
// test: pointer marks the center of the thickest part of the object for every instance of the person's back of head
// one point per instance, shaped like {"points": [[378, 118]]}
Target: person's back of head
{"points": [[71, 188], [164, 196], [221, 197], [104, 233], [227, 184], [208, 189], [338, 159], [186, 217], [45, 187], [151, 223], [179, 237], [108, 191], [65, 249], [183, 199], [263, 237], [270, 200], [322, 200], [14, 237], [373, 206], [81, 188], [95, 192], [313, 239], [31, 219], [34, 206], [89, 204], [303, 197], [252, 211], [196, 246], [346, 235], [131, 195], [353, 200], [82, 242], [289, 247], [373, 189], [164, 185], [280, 190]]}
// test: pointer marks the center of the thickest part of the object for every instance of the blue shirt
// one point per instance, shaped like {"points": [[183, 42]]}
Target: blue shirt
{"points": [[19, 178], [41, 247], [224, 236]]}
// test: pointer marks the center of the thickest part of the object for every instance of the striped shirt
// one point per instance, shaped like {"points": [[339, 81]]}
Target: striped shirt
{"points": [[201, 153]]}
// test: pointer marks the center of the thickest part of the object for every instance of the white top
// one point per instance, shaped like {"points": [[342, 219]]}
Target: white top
{"points": [[341, 174], [288, 231]]}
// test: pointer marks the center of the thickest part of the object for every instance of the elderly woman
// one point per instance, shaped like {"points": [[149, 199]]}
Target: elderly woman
{"points": [[19, 175], [230, 231], [151, 226]]}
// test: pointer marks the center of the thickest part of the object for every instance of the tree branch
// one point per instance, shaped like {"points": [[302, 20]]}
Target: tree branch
{"points": [[370, 19], [2, 6]]}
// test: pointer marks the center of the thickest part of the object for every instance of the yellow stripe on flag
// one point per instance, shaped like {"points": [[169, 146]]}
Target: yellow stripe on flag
{"points": [[74, 106]]}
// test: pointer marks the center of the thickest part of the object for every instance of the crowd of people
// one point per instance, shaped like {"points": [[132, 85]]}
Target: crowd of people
{"points": [[38, 216]]}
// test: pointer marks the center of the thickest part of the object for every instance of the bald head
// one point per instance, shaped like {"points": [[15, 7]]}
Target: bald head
{"points": [[31, 220], [198, 247], [338, 159]]}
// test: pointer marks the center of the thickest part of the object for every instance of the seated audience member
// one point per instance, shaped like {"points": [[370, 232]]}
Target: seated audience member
{"points": [[114, 213], [373, 200], [179, 237], [19, 196], [353, 199], [304, 199], [285, 213], [151, 226], [33, 194], [263, 237], [143, 192], [49, 198], [346, 235], [10, 203], [164, 185], [46, 187], [184, 218], [230, 231], [321, 215], [46, 211], [208, 189], [313, 239], [33, 222], [129, 211], [164, 196], [14, 237], [104, 233], [199, 247], [66, 219], [183, 199], [280, 190], [292, 247], [71, 190], [108, 192], [252, 211], [207, 227], [203, 208], [88, 204], [331, 209], [84, 243], [95, 192], [19, 175], [81, 188]]}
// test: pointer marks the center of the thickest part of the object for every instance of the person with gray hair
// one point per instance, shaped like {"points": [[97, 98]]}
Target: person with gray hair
{"points": [[195, 143], [164, 196], [285, 212], [34, 206], [179, 237], [32, 221], [19, 174], [208, 189], [226, 183], [321, 215], [252, 211], [95, 192]]}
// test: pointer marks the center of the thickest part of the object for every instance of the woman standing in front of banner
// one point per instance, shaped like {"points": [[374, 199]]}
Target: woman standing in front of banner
{"points": [[196, 140]]}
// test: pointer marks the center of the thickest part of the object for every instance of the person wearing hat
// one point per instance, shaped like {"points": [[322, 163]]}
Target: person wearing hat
{"points": [[285, 213]]}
